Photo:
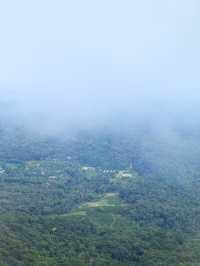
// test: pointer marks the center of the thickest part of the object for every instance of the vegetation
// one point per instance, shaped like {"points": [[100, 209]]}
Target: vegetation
{"points": [[75, 204]]}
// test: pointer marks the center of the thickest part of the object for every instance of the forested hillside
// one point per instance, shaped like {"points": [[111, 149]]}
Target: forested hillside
{"points": [[93, 200]]}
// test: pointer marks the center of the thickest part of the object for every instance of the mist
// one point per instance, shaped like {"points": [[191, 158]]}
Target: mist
{"points": [[72, 66]]}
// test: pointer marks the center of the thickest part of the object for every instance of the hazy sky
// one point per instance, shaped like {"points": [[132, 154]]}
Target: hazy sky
{"points": [[89, 59]]}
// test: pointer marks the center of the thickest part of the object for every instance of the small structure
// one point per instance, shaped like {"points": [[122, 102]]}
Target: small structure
{"points": [[52, 177], [125, 174], [87, 168]]}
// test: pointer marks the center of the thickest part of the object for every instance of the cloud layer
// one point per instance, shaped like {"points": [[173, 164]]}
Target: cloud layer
{"points": [[88, 63]]}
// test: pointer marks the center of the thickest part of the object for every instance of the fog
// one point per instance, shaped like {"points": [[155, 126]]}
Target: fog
{"points": [[72, 65]]}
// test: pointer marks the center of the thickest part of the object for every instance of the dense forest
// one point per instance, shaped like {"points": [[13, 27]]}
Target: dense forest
{"points": [[95, 199]]}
